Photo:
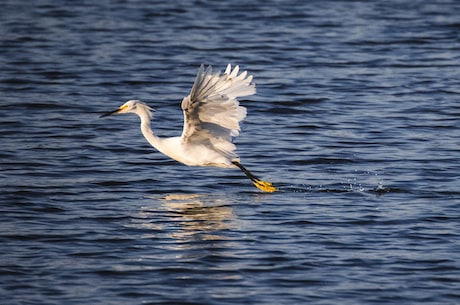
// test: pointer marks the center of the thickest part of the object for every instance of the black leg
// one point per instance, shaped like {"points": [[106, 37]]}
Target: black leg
{"points": [[260, 184]]}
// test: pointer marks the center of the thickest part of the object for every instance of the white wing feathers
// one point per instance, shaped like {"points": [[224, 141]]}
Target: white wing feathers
{"points": [[212, 112]]}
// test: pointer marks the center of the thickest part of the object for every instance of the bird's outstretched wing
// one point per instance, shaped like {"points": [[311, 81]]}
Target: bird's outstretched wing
{"points": [[212, 112]]}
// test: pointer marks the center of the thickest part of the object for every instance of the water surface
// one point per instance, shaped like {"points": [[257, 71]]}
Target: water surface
{"points": [[356, 120]]}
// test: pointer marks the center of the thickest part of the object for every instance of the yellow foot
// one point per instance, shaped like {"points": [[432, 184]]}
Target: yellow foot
{"points": [[264, 186], [260, 184]]}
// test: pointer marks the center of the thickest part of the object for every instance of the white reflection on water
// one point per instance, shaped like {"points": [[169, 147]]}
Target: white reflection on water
{"points": [[200, 214], [191, 220]]}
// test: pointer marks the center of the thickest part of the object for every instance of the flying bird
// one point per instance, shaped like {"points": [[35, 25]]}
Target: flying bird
{"points": [[212, 115]]}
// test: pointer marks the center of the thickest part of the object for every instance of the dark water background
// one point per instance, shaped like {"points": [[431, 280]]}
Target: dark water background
{"points": [[357, 120]]}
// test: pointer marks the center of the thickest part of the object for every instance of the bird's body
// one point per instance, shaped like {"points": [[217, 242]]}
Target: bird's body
{"points": [[211, 119]]}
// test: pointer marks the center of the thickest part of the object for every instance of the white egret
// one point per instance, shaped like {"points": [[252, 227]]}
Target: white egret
{"points": [[211, 119]]}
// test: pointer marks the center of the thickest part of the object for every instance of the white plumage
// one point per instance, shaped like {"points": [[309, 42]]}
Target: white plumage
{"points": [[212, 117]]}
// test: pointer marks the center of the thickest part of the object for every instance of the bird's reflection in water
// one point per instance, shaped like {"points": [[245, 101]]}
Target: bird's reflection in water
{"points": [[192, 221], [200, 216]]}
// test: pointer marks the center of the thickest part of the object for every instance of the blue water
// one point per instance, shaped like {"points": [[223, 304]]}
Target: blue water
{"points": [[356, 120]]}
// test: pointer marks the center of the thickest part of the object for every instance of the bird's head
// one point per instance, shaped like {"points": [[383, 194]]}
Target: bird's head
{"points": [[131, 106]]}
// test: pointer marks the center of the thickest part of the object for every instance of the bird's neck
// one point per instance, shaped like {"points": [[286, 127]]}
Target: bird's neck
{"points": [[147, 131]]}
